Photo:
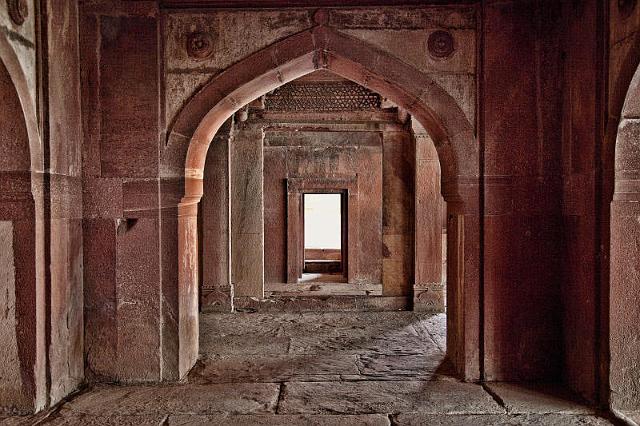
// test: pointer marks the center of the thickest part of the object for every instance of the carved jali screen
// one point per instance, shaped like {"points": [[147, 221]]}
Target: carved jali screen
{"points": [[322, 96]]}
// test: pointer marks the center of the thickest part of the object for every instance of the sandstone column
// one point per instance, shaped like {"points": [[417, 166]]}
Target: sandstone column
{"points": [[397, 213], [247, 211], [428, 288], [214, 216]]}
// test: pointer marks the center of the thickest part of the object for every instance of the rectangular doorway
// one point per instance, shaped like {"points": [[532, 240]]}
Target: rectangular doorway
{"points": [[324, 237]]}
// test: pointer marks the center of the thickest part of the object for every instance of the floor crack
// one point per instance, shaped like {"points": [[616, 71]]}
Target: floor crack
{"points": [[497, 398], [281, 392]]}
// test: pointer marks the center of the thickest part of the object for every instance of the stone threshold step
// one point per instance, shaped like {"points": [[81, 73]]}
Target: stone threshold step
{"points": [[325, 303]]}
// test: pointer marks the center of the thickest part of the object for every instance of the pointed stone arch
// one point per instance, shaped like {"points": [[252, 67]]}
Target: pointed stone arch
{"points": [[413, 90]]}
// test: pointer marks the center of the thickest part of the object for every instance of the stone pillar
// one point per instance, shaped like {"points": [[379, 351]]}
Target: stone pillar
{"points": [[216, 276], [246, 159], [428, 291], [397, 213], [188, 286], [130, 307]]}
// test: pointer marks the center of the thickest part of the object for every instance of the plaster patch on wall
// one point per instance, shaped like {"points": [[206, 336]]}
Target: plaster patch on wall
{"points": [[10, 379]]}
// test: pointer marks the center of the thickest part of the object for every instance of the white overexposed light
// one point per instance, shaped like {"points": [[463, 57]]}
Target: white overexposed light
{"points": [[322, 221]]}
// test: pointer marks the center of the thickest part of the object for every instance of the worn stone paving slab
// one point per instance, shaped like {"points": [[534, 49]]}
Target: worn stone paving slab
{"points": [[243, 345], [240, 398], [386, 397], [431, 325], [397, 344], [389, 366], [541, 399], [69, 418], [289, 420], [18, 420], [240, 324], [421, 419], [366, 323], [273, 368], [631, 416]]}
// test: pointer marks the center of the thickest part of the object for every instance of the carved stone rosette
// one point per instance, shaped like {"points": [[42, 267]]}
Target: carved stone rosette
{"points": [[199, 45], [441, 44]]}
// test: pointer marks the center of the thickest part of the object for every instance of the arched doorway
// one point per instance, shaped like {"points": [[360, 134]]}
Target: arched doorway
{"points": [[624, 380], [437, 112], [22, 387]]}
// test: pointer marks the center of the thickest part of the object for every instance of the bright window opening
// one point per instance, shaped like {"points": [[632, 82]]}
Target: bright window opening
{"points": [[323, 238], [322, 221]]}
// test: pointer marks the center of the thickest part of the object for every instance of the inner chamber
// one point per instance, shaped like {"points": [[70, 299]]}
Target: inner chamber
{"points": [[323, 188]]}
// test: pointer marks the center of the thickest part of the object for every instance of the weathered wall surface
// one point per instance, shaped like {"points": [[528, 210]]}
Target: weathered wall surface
{"points": [[581, 142], [317, 154], [537, 136], [398, 212], [429, 288], [45, 209], [127, 315], [246, 176], [215, 225], [523, 190], [11, 383], [402, 32], [66, 352], [21, 382], [620, 171]]}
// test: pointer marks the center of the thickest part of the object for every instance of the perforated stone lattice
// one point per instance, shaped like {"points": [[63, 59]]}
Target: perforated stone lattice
{"points": [[334, 96]]}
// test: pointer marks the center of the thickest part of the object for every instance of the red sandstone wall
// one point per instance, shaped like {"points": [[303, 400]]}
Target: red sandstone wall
{"points": [[322, 154], [581, 142], [66, 350], [214, 225], [523, 219], [619, 219], [20, 381], [47, 241], [126, 310], [538, 142]]}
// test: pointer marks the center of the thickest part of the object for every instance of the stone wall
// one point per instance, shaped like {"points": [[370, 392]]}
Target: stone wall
{"points": [[64, 133], [131, 329], [534, 85], [43, 193], [520, 135], [315, 154], [620, 170]]}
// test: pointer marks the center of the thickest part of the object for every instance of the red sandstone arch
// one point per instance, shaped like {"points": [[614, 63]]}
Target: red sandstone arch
{"points": [[432, 106], [12, 64], [624, 321], [21, 216]]}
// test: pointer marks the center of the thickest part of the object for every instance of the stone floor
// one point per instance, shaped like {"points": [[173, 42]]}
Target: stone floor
{"points": [[376, 368]]}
